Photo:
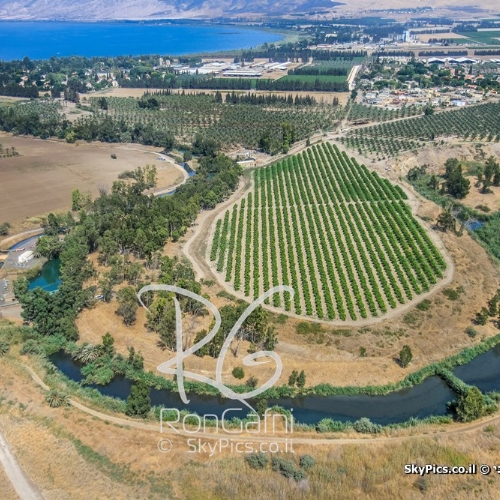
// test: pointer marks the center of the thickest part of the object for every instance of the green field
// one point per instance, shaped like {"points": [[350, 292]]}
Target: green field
{"points": [[341, 236], [484, 37], [313, 78]]}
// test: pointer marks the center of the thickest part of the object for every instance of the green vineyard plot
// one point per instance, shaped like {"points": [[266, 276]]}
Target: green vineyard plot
{"points": [[473, 123], [340, 235]]}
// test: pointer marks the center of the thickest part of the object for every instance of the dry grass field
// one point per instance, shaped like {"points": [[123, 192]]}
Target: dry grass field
{"points": [[42, 178]]}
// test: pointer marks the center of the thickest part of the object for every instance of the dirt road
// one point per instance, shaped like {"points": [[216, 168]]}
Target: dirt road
{"points": [[20, 482]]}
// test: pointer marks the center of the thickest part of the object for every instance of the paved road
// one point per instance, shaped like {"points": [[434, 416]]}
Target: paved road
{"points": [[24, 488]]}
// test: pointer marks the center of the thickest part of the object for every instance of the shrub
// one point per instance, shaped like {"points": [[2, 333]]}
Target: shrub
{"points": [[285, 467], [483, 208], [405, 356], [238, 372], [257, 460], [302, 328], [252, 382], [31, 347], [364, 426], [281, 319], [113, 156], [424, 305], [471, 332], [451, 294], [329, 425], [306, 462], [4, 348], [470, 405]]}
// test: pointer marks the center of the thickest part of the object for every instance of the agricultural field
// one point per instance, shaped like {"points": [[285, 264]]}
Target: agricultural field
{"points": [[340, 235], [314, 78], [187, 115], [376, 114], [473, 123], [42, 176], [482, 37]]}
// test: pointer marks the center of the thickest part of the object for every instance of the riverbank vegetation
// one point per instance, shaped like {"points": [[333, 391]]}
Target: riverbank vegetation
{"points": [[456, 216]]}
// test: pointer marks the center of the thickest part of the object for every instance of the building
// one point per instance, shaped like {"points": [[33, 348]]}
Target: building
{"points": [[25, 257]]}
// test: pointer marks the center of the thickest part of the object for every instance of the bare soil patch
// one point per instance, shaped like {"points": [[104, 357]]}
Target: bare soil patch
{"points": [[426, 37], [42, 178], [475, 197]]}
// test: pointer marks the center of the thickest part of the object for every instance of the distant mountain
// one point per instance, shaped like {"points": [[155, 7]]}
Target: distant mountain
{"points": [[151, 9], [207, 9]]}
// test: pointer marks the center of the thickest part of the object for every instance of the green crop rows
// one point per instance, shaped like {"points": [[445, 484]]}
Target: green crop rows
{"points": [[473, 123], [187, 115], [340, 235], [377, 114]]}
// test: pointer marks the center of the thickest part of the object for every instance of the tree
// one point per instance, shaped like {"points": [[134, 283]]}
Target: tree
{"points": [[482, 316], [456, 184], [445, 221], [77, 200], [470, 405], [405, 356], [138, 402], [434, 182], [161, 319], [135, 359], [238, 372], [108, 343], [292, 379], [106, 289], [301, 379], [127, 308], [4, 229], [48, 246]]}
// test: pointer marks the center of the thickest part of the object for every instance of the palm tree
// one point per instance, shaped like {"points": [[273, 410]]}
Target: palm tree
{"points": [[56, 398]]}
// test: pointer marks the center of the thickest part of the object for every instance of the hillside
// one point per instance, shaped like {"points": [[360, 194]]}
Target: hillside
{"points": [[143, 9], [183, 9]]}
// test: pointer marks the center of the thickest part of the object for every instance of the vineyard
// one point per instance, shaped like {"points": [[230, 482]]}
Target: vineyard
{"points": [[474, 123], [377, 114], [186, 115], [340, 235]]}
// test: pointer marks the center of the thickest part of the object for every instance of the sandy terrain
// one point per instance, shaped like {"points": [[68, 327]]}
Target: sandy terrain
{"points": [[42, 178], [475, 197]]}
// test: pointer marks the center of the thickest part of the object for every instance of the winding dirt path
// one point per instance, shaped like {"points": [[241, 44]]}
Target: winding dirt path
{"points": [[22, 485]]}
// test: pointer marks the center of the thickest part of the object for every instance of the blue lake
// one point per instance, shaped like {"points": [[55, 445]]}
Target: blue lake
{"points": [[474, 225], [42, 40], [48, 279]]}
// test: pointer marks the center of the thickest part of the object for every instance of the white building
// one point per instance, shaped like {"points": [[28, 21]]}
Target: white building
{"points": [[25, 257]]}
